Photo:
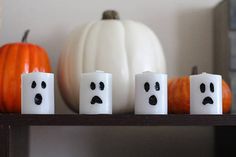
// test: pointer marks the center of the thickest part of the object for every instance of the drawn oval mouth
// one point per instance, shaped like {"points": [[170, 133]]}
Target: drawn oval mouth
{"points": [[96, 99], [153, 100], [38, 99], [207, 100]]}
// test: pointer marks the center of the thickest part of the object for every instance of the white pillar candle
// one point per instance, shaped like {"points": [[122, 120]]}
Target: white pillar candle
{"points": [[37, 93], [96, 93], [150, 93], [205, 94]]}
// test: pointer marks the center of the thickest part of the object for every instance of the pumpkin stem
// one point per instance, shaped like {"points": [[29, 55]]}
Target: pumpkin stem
{"points": [[25, 36], [110, 15], [194, 70]]}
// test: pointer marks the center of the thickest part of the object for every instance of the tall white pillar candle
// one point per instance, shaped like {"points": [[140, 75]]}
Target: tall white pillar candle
{"points": [[150, 93], [205, 94], [96, 93], [37, 93]]}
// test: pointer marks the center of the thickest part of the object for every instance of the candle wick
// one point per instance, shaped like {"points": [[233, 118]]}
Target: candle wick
{"points": [[194, 70]]}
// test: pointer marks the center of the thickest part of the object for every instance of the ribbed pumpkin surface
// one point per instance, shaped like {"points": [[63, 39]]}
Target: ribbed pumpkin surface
{"points": [[15, 59], [227, 97], [179, 96]]}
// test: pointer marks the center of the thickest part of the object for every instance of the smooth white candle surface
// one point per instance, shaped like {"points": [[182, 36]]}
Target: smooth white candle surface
{"points": [[150, 93], [96, 93], [37, 93], [205, 94]]}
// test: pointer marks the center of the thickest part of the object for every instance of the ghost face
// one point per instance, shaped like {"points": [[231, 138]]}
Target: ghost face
{"points": [[38, 99], [95, 94], [152, 100], [207, 99], [38, 93], [96, 99], [151, 94], [205, 94]]}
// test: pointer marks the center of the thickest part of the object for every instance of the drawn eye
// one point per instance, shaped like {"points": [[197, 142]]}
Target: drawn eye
{"points": [[212, 87], [102, 86], [146, 86], [157, 86], [33, 85], [92, 85], [202, 87], [43, 85]]}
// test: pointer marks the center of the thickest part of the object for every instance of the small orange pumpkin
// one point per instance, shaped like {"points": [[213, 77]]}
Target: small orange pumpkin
{"points": [[226, 97], [15, 59], [179, 95]]}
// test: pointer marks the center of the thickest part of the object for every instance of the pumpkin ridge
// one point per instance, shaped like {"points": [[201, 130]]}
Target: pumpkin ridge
{"points": [[13, 106], [70, 79], [127, 62], [86, 43], [32, 59], [39, 56], [23, 67], [85, 40], [179, 93], [37, 59], [5, 48], [42, 62], [65, 77], [186, 85], [4, 76], [174, 96], [61, 77], [16, 89], [79, 53], [171, 96], [9, 93], [98, 36], [67, 71]]}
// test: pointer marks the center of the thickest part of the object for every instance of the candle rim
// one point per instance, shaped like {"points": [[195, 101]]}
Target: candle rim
{"points": [[206, 74], [37, 72], [92, 73], [151, 73]]}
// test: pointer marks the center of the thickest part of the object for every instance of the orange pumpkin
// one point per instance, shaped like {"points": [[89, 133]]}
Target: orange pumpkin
{"points": [[15, 59], [226, 97], [179, 95]]}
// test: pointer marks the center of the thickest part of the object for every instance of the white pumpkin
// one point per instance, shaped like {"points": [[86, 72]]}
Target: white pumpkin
{"points": [[123, 48]]}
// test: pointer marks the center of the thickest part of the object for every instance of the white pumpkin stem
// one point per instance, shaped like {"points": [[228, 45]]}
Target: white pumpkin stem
{"points": [[25, 36], [194, 70], [110, 15]]}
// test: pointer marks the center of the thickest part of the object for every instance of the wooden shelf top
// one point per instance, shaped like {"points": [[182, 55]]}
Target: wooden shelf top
{"points": [[118, 120]]}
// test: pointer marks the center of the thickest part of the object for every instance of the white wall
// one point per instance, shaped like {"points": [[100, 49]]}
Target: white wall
{"points": [[184, 28]]}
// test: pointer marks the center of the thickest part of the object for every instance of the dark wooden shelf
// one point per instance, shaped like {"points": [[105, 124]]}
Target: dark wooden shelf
{"points": [[14, 128], [118, 120]]}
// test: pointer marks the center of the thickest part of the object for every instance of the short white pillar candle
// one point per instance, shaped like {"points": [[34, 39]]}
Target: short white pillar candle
{"points": [[95, 93], [151, 93], [37, 93], [205, 94]]}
